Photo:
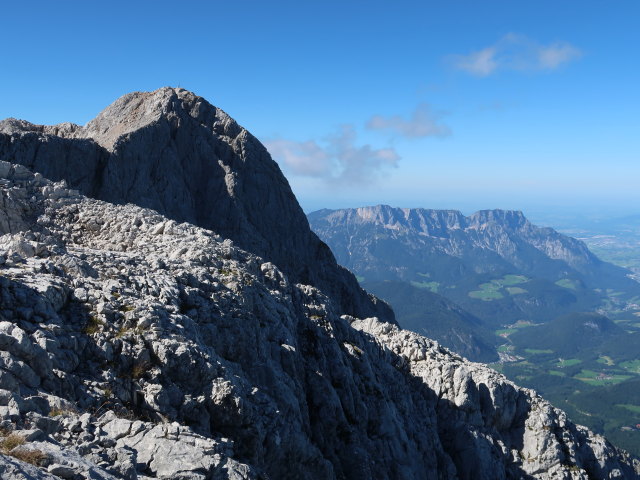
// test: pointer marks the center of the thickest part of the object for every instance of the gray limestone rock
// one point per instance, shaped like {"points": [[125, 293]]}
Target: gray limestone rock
{"points": [[14, 469]]}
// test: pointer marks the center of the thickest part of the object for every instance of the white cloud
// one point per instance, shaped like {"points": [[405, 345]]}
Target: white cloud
{"points": [[516, 52], [480, 63], [556, 54], [336, 159], [423, 123]]}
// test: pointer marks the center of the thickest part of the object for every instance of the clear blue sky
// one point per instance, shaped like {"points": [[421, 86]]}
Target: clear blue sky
{"points": [[456, 104]]}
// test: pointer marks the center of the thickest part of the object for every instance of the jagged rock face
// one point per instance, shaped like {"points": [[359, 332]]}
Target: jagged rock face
{"points": [[172, 151], [136, 347]]}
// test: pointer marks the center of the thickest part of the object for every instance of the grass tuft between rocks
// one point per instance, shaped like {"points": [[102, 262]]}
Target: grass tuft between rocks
{"points": [[34, 457], [9, 443]]}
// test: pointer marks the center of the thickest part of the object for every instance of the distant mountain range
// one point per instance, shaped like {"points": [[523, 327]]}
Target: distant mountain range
{"points": [[494, 264], [408, 243]]}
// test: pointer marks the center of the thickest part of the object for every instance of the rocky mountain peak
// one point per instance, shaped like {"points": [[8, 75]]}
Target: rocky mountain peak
{"points": [[138, 110], [174, 152]]}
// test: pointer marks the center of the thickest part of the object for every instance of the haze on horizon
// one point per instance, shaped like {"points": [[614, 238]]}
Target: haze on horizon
{"points": [[529, 106]]}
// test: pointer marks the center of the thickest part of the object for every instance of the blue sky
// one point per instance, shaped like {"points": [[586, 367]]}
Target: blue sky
{"points": [[460, 104]]}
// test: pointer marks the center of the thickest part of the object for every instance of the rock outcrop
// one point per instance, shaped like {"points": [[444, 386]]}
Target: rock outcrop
{"points": [[136, 347], [174, 152]]}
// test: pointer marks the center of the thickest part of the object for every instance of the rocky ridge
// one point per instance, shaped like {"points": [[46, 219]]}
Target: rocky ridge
{"points": [[137, 347]]}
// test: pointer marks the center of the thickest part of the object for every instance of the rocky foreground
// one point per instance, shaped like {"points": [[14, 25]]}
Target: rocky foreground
{"points": [[133, 346]]}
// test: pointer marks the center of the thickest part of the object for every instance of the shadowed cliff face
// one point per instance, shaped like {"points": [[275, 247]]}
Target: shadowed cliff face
{"points": [[173, 152]]}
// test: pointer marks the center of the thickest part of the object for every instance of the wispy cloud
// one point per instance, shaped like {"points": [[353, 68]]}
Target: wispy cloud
{"points": [[516, 52], [301, 158], [480, 63], [336, 159], [423, 123]]}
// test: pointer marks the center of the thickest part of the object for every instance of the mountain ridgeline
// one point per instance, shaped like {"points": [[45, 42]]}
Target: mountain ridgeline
{"points": [[133, 346], [448, 245]]}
